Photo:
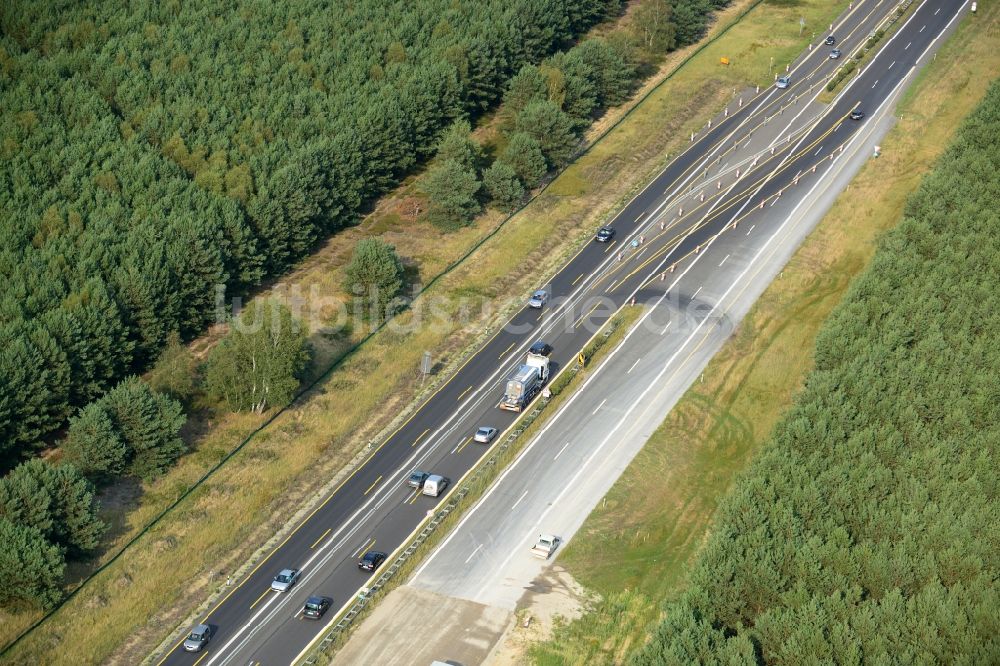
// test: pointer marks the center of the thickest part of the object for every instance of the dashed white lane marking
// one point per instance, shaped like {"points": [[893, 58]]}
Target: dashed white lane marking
{"points": [[666, 327], [891, 64], [724, 260], [907, 45], [473, 553], [633, 366], [921, 28], [818, 151], [874, 84], [936, 11], [561, 450], [695, 294], [525, 494], [600, 405], [751, 228]]}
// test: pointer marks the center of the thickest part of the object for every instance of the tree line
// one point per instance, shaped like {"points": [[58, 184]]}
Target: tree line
{"points": [[155, 152], [867, 529]]}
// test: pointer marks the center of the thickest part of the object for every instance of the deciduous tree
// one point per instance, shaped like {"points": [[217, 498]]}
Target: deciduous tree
{"points": [[260, 362]]}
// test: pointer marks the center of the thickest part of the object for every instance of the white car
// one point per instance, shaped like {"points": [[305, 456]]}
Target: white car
{"points": [[285, 580], [485, 435], [538, 299]]}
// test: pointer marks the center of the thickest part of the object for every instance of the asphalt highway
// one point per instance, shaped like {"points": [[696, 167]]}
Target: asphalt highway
{"points": [[699, 197]]}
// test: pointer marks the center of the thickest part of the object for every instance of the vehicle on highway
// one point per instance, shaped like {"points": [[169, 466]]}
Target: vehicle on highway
{"points": [[315, 607], [417, 479], [541, 348], [783, 82], [857, 114], [485, 435], [604, 234], [830, 41], [538, 299], [835, 54], [545, 546], [372, 560], [285, 580], [525, 383], [199, 637], [435, 485]]}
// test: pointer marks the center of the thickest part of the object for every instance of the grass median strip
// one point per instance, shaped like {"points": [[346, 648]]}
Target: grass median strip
{"points": [[657, 517]]}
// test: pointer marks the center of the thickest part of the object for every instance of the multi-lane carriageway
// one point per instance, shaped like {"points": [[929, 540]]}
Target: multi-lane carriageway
{"points": [[730, 176]]}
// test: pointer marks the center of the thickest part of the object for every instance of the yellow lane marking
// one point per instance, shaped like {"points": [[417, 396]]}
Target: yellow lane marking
{"points": [[375, 483], [464, 392], [463, 445], [610, 245], [505, 351], [322, 536], [200, 658], [426, 430], [260, 597], [576, 280]]}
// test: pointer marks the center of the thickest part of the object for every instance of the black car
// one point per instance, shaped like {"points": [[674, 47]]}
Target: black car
{"points": [[417, 479], [372, 560], [857, 114], [604, 234], [541, 348], [316, 606], [830, 41]]}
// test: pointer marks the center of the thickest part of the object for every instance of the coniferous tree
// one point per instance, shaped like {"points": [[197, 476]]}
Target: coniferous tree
{"points": [[524, 155], [452, 192], [549, 125], [31, 568], [504, 187], [149, 425], [526, 86], [55, 500], [94, 444], [374, 274], [457, 146]]}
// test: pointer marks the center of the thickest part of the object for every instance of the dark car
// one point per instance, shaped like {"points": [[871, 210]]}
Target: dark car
{"points": [[604, 234], [316, 606], [541, 348], [417, 479], [835, 54], [830, 41], [857, 114], [372, 560]]}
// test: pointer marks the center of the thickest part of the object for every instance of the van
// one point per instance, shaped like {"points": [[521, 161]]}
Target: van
{"points": [[435, 485]]}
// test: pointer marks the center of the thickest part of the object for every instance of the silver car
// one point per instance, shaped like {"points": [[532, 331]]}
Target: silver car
{"points": [[200, 636], [783, 82], [538, 299], [485, 435], [285, 580]]}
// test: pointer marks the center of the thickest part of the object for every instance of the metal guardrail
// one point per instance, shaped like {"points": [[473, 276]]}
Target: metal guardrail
{"points": [[440, 515], [484, 466]]}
